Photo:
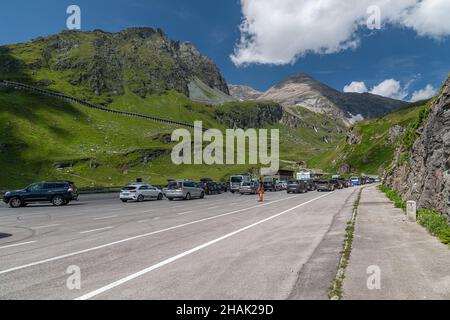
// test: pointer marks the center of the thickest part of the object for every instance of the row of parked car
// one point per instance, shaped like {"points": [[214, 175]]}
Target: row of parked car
{"points": [[61, 193]]}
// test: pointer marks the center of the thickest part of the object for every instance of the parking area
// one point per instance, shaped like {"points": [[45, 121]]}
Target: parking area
{"points": [[223, 246]]}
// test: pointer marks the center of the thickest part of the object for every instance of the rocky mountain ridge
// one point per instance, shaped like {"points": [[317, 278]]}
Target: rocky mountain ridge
{"points": [[141, 60], [304, 91]]}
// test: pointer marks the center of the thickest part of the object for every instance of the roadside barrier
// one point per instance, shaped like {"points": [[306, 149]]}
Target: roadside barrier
{"points": [[25, 87]]}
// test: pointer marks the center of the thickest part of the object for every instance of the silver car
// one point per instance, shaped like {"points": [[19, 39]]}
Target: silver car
{"points": [[140, 192], [184, 189]]}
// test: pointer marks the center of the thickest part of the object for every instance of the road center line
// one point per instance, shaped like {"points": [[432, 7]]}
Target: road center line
{"points": [[68, 255], [183, 213], [94, 230], [104, 218], [189, 252], [44, 227], [17, 244]]}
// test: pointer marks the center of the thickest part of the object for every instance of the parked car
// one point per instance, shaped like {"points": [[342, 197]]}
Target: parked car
{"points": [[210, 187], [140, 192], [337, 183], [223, 187], [279, 186], [270, 186], [249, 188], [184, 189], [297, 187], [237, 181], [311, 185], [344, 182], [325, 185], [59, 193], [356, 181]]}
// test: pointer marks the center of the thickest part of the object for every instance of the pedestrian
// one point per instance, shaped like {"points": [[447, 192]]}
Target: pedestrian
{"points": [[261, 190]]}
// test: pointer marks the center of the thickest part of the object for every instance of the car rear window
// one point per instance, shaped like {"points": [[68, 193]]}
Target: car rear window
{"points": [[129, 188], [174, 185]]}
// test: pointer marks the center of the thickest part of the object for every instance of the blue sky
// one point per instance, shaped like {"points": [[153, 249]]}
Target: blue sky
{"points": [[394, 52]]}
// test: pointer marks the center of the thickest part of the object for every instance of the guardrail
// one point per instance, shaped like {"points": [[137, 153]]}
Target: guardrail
{"points": [[21, 86]]}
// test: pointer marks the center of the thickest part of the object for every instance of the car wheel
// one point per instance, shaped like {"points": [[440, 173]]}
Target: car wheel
{"points": [[140, 198], [160, 196], [58, 201], [170, 199], [15, 203], [202, 196], [188, 197]]}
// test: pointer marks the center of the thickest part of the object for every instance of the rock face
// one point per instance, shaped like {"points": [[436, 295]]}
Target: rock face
{"points": [[142, 60], [243, 93], [353, 137], [425, 177], [395, 132], [302, 90], [256, 115]]}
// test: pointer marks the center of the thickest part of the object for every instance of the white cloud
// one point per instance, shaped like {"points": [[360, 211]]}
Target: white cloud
{"points": [[280, 31], [423, 94], [356, 86], [390, 88]]}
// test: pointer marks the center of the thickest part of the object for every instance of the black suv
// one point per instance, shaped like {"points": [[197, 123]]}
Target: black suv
{"points": [[59, 193]]}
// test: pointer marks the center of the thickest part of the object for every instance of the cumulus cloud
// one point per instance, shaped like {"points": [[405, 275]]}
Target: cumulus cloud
{"points": [[390, 88], [356, 86], [280, 31], [426, 93]]}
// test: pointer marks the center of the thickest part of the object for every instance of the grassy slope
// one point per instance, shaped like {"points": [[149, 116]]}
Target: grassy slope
{"points": [[376, 150]]}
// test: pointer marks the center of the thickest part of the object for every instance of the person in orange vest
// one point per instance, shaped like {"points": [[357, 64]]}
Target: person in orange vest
{"points": [[261, 190]]}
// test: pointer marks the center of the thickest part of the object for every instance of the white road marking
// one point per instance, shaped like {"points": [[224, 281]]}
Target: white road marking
{"points": [[68, 255], [210, 208], [142, 221], [183, 213], [44, 227], [176, 207], [17, 244], [156, 218], [94, 230], [189, 252], [147, 211], [104, 218]]}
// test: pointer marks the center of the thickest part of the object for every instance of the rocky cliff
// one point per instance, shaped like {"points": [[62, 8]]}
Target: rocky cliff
{"points": [[424, 176], [250, 114]]}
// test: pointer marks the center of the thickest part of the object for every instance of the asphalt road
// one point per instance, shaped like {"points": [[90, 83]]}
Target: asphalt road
{"points": [[222, 247]]}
